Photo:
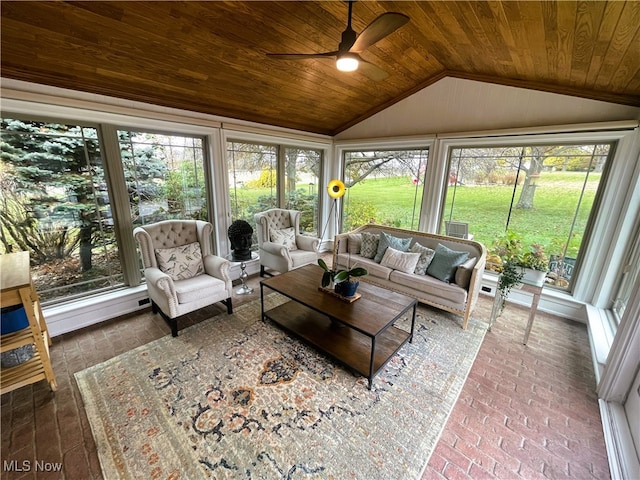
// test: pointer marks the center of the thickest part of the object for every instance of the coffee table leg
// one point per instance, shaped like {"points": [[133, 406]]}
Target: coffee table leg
{"points": [[373, 353], [413, 321]]}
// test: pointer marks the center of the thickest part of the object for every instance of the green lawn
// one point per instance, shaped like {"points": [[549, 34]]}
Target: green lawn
{"points": [[390, 201]]}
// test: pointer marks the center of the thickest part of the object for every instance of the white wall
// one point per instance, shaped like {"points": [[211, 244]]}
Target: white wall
{"points": [[457, 105]]}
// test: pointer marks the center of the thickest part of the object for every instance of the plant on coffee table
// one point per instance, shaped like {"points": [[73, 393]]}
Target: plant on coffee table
{"points": [[344, 285]]}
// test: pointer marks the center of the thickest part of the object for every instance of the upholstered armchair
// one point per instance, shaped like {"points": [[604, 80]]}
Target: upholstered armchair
{"points": [[282, 247], [181, 271]]}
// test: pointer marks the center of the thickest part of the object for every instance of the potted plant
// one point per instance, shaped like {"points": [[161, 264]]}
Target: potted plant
{"points": [[327, 276], [344, 285], [517, 263]]}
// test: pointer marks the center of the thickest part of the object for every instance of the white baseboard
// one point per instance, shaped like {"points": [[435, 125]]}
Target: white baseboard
{"points": [[67, 317]]}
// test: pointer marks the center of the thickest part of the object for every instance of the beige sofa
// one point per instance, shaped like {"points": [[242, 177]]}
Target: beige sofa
{"points": [[458, 295]]}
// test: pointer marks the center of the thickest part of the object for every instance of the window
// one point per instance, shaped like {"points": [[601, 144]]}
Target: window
{"points": [[544, 193], [55, 204], [165, 176], [254, 186], [384, 187], [302, 179], [630, 274]]}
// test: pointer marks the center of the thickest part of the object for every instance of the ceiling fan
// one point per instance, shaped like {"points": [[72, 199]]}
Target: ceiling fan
{"points": [[347, 56]]}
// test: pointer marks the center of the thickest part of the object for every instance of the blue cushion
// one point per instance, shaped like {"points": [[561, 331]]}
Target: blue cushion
{"points": [[386, 240], [445, 263]]}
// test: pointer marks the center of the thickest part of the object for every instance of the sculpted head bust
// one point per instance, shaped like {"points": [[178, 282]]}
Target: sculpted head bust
{"points": [[240, 234]]}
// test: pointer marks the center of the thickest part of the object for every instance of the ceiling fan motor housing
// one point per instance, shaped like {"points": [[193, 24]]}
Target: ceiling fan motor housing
{"points": [[348, 39]]}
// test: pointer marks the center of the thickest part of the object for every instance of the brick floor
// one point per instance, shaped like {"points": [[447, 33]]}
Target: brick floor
{"points": [[525, 412]]}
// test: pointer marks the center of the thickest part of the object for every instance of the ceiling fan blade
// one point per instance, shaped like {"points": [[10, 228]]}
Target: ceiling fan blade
{"points": [[382, 26], [300, 56], [370, 70]]}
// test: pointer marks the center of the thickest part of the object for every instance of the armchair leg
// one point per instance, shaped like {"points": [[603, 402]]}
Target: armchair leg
{"points": [[173, 322], [264, 273], [229, 305], [174, 327]]}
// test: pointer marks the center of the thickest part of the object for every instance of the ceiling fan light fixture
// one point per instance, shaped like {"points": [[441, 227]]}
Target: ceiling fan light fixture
{"points": [[347, 63]]}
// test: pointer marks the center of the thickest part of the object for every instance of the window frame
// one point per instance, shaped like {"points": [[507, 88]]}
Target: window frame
{"points": [[280, 141], [599, 251], [422, 142], [604, 175]]}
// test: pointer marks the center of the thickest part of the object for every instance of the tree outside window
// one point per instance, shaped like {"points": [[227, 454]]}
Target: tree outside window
{"points": [[165, 176], [543, 193], [55, 205], [254, 186], [384, 187]]}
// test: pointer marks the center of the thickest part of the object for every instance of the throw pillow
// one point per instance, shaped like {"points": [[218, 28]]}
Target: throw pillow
{"points": [[355, 243], [386, 241], [369, 244], [463, 273], [426, 255], [180, 262], [445, 262], [401, 261], [286, 237]]}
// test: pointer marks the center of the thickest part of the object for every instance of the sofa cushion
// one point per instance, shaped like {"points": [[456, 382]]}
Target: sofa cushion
{"points": [[344, 261], [426, 255], [354, 244], [464, 271], [182, 262], [284, 236], [444, 293], [445, 262], [397, 260], [369, 246], [386, 240]]}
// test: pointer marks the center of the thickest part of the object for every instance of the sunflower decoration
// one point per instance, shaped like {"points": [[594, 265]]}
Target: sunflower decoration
{"points": [[336, 188]]}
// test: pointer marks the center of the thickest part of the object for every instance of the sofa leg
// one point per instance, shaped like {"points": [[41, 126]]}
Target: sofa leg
{"points": [[229, 305], [154, 307]]}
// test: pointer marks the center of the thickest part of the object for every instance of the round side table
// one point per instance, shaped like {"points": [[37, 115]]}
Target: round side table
{"points": [[244, 289]]}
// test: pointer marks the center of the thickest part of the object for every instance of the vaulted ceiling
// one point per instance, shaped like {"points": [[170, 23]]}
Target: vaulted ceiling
{"points": [[210, 57]]}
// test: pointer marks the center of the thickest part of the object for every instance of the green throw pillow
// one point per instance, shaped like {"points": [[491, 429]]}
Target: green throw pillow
{"points": [[445, 263], [386, 240]]}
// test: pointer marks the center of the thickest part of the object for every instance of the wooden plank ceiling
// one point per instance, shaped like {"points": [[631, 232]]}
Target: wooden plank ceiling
{"points": [[211, 56]]}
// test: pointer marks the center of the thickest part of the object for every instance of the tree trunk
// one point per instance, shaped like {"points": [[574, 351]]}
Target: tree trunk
{"points": [[86, 247], [529, 186]]}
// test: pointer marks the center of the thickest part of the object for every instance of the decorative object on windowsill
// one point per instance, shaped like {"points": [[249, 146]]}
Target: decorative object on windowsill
{"points": [[516, 263], [241, 237]]}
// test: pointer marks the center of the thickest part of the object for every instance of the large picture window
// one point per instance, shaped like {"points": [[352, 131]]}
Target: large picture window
{"points": [[543, 193], [55, 204], [165, 176], [384, 187], [255, 171]]}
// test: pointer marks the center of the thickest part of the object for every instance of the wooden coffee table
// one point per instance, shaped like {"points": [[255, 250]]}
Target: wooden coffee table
{"points": [[361, 334]]}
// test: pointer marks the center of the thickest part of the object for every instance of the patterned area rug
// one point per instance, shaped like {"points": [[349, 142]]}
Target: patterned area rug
{"points": [[235, 397]]}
